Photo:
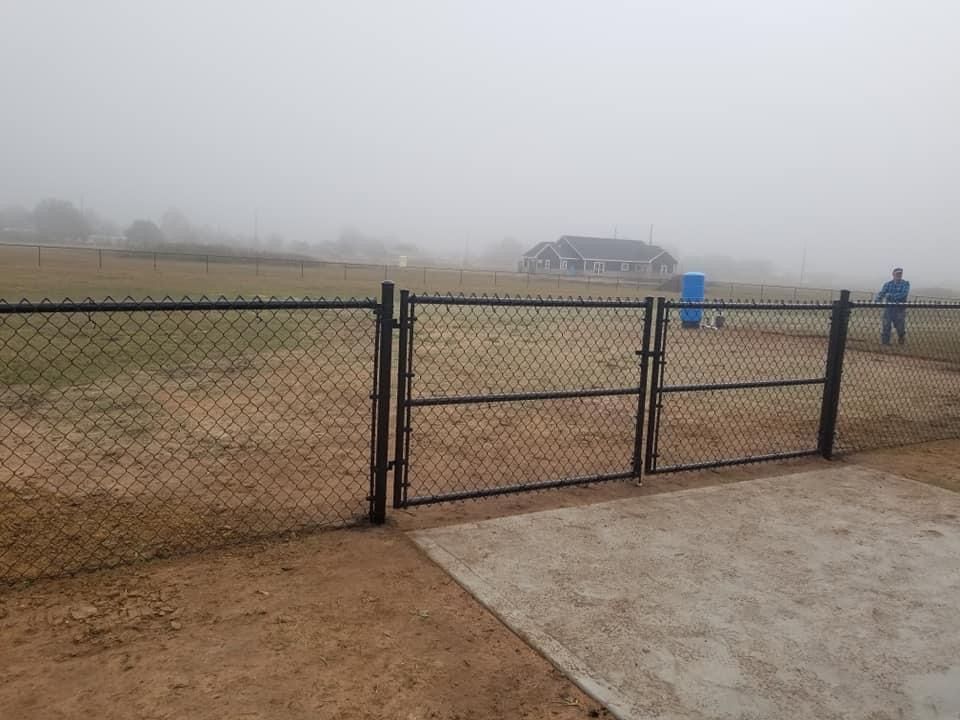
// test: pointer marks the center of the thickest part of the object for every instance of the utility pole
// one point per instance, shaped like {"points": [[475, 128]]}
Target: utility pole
{"points": [[651, 233], [256, 227], [803, 264]]}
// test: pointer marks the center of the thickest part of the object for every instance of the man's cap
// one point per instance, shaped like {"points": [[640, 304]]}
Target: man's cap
{"points": [[898, 270]]}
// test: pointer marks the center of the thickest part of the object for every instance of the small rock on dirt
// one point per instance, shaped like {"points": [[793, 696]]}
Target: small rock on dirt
{"points": [[176, 625], [84, 612]]}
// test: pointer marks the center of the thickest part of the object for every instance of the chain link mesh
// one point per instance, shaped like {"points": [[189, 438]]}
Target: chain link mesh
{"points": [[136, 433], [492, 347], [700, 423], [899, 394]]}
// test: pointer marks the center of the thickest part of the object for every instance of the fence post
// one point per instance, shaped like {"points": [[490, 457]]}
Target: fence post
{"points": [[644, 353], [761, 293], [99, 259], [154, 262], [206, 264], [461, 277], [38, 256], [301, 270], [402, 436], [378, 509], [424, 278], [494, 278], [829, 409]]}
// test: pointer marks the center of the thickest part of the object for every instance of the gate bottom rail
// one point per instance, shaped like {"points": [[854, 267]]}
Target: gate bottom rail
{"points": [[727, 462], [517, 488]]}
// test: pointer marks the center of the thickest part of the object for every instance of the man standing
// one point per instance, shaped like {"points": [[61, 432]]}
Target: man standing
{"points": [[894, 291]]}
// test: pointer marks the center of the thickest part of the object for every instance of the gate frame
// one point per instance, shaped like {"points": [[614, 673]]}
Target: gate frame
{"points": [[831, 381], [405, 402]]}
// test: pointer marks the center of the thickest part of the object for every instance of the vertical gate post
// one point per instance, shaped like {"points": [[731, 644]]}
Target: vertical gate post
{"points": [[650, 457], [402, 435], [378, 511], [839, 323], [644, 353]]}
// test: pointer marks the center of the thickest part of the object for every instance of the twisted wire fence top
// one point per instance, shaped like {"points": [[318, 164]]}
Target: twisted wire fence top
{"points": [[133, 429]]}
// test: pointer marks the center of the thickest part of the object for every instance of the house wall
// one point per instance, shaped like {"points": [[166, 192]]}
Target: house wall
{"points": [[664, 265], [561, 252]]}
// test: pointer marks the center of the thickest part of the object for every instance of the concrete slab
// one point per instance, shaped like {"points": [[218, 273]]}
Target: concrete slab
{"points": [[829, 594]]}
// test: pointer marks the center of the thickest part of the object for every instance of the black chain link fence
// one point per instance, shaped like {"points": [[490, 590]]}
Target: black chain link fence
{"points": [[906, 391], [737, 382], [507, 394], [131, 430]]}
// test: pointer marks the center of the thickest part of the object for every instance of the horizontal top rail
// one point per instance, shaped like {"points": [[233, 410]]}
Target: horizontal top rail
{"points": [[738, 305], [506, 300], [148, 305], [745, 385]]}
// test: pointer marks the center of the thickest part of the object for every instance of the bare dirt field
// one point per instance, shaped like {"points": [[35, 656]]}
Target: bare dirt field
{"points": [[344, 624]]}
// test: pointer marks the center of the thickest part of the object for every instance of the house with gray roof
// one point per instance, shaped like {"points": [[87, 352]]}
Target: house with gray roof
{"points": [[619, 257]]}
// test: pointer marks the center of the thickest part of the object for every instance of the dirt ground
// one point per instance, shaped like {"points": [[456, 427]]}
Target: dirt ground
{"points": [[342, 624]]}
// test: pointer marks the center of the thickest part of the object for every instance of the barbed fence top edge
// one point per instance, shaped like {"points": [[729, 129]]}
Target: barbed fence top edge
{"points": [[528, 300], [148, 304]]}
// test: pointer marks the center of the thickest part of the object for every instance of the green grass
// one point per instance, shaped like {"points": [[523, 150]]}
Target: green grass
{"points": [[75, 348]]}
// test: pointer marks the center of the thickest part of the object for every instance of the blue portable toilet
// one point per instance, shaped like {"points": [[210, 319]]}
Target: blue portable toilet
{"points": [[692, 289]]}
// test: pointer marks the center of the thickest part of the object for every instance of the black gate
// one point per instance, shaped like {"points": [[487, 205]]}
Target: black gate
{"points": [[735, 383], [501, 395]]}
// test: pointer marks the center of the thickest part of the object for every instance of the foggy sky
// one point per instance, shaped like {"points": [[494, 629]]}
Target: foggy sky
{"points": [[742, 127]]}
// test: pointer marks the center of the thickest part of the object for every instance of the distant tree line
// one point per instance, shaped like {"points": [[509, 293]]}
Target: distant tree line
{"points": [[60, 222]]}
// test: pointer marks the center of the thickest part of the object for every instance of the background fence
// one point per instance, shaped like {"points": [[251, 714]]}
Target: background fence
{"points": [[131, 430], [187, 272], [138, 430]]}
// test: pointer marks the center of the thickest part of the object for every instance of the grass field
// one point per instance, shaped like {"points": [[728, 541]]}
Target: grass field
{"points": [[79, 273], [133, 435]]}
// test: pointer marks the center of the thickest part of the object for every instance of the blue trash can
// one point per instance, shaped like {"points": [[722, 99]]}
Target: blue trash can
{"points": [[692, 289]]}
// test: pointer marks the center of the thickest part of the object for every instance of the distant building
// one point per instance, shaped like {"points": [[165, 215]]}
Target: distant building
{"points": [[576, 255]]}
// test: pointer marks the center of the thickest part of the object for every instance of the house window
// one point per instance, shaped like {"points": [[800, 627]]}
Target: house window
{"points": [[563, 264], [624, 267], [664, 269], [546, 264], [539, 264], [599, 268]]}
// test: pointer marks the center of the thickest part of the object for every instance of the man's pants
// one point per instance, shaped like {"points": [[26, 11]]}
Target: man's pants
{"points": [[894, 317]]}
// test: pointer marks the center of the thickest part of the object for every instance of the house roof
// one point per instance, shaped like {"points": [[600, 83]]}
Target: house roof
{"points": [[537, 248], [622, 249]]}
